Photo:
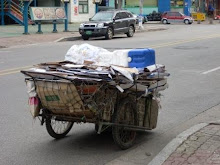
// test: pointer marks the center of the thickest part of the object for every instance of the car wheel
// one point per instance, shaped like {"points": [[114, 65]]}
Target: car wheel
{"points": [[84, 37], [164, 21], [109, 34], [186, 21], [130, 32]]}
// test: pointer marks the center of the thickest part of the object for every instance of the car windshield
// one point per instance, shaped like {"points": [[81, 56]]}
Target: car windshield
{"points": [[102, 16], [182, 14]]}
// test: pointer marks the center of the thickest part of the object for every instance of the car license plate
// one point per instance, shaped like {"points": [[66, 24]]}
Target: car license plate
{"points": [[88, 32]]}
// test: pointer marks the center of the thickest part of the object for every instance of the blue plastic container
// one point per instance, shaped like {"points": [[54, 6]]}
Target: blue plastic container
{"points": [[141, 58]]}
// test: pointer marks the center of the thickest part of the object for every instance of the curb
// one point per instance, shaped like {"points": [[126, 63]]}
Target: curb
{"points": [[172, 146], [64, 39]]}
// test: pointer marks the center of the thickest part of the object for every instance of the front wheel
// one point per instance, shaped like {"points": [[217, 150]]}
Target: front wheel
{"points": [[164, 21], [58, 129], [109, 34], [125, 114], [130, 32], [85, 37]]}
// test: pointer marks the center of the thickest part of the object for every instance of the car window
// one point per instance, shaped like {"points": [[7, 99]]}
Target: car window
{"points": [[117, 16], [178, 15], [103, 16], [124, 15], [129, 15], [171, 14]]}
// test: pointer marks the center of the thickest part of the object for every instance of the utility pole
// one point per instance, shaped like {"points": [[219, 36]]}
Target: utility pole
{"points": [[141, 6], [141, 14], [120, 4]]}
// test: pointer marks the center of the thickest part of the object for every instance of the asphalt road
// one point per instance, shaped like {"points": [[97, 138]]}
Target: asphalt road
{"points": [[191, 55]]}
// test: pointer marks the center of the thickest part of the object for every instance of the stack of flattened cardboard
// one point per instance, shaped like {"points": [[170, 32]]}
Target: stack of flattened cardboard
{"points": [[147, 80]]}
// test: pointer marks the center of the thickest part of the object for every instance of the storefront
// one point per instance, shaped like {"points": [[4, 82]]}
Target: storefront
{"points": [[148, 6], [78, 10], [184, 6], [81, 10], [215, 4]]}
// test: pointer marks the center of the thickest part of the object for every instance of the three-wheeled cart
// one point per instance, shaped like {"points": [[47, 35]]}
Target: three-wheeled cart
{"points": [[61, 102]]}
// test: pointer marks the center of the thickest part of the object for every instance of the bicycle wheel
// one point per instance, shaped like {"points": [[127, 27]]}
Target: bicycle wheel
{"points": [[58, 129]]}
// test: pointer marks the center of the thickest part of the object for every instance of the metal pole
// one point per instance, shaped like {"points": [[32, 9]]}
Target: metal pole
{"points": [[35, 3], [96, 8], [54, 26], [39, 28], [2, 13], [66, 20], [25, 17]]}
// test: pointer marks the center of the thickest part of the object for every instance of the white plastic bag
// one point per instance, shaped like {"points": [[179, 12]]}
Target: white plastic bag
{"points": [[84, 52], [34, 104]]}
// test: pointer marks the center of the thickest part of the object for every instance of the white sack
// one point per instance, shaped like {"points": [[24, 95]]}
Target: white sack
{"points": [[84, 52]]}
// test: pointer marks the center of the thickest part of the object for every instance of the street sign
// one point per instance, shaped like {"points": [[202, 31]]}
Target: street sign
{"points": [[47, 13]]}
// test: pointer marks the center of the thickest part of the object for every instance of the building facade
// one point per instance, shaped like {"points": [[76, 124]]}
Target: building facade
{"points": [[82, 10]]}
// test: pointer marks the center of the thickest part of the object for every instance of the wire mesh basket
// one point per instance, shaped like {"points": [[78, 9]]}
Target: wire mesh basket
{"points": [[78, 99]]}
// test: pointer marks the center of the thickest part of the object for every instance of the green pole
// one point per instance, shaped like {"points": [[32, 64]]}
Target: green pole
{"points": [[25, 17], [66, 20], [2, 13]]}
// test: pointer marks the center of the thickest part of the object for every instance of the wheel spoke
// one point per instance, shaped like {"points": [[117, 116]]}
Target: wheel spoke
{"points": [[59, 127]]}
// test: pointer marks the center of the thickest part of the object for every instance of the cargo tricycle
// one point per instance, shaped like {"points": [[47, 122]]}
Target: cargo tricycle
{"points": [[59, 102]]}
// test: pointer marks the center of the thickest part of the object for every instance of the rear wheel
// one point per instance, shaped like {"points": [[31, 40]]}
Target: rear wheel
{"points": [[125, 114], [85, 37], [130, 32], [164, 21], [58, 129]]}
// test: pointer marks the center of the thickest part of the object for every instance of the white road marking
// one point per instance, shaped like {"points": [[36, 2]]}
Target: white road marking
{"points": [[212, 70]]}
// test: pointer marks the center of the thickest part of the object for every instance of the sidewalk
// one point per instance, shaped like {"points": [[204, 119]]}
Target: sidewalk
{"points": [[200, 145], [12, 35]]}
